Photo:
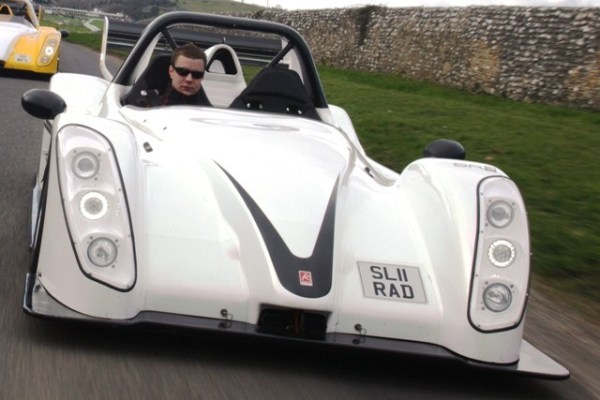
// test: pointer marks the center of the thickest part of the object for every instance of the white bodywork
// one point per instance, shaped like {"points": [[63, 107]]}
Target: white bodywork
{"points": [[409, 251], [11, 32]]}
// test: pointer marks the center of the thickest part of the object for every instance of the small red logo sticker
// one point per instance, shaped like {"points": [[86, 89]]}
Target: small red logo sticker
{"points": [[305, 278]]}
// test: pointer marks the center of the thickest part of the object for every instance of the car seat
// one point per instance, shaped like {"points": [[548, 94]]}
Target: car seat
{"points": [[277, 90], [153, 82], [5, 9]]}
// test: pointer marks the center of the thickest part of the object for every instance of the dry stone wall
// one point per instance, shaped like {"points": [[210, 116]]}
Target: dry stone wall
{"points": [[547, 55]]}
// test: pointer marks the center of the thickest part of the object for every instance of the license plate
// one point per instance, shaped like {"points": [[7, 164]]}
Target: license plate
{"points": [[392, 282], [22, 58]]}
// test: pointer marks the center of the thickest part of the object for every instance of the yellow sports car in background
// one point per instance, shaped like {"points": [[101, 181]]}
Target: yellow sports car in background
{"points": [[24, 44]]}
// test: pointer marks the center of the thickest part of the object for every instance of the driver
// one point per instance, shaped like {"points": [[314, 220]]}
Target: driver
{"points": [[186, 72]]}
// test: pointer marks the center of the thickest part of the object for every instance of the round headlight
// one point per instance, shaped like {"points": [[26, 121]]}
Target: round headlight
{"points": [[500, 214], [85, 165], [93, 205], [502, 253], [497, 297], [102, 252]]}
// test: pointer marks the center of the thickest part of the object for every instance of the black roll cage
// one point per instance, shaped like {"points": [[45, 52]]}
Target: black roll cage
{"points": [[161, 24]]}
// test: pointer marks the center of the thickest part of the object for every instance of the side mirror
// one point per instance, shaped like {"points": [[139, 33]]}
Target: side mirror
{"points": [[42, 103], [64, 33], [445, 148]]}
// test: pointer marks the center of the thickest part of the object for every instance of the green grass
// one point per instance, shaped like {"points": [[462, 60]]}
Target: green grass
{"points": [[73, 25], [78, 33], [550, 152], [91, 40]]}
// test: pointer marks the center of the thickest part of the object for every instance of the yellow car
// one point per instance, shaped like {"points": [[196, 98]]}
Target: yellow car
{"points": [[24, 44]]}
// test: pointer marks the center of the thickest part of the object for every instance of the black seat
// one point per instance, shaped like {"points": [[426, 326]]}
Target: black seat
{"points": [[5, 9], [153, 81], [276, 90]]}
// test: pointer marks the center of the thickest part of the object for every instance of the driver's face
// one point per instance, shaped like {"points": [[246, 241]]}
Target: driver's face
{"points": [[186, 85]]}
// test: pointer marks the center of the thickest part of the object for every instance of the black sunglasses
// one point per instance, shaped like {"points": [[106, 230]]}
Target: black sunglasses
{"points": [[185, 72]]}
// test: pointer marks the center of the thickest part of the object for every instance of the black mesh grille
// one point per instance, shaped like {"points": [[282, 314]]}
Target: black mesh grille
{"points": [[293, 323]]}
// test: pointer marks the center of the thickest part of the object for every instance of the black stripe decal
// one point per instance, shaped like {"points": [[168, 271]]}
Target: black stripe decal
{"points": [[307, 277]]}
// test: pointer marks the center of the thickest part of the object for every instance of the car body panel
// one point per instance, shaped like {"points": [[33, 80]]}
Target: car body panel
{"points": [[276, 224]]}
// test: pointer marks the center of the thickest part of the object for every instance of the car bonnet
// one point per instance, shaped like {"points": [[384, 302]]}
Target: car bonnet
{"points": [[9, 34], [289, 167]]}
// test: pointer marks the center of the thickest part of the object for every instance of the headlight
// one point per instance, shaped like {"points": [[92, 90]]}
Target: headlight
{"points": [[85, 165], [95, 206], [497, 297], [49, 49], [501, 253], [52, 44], [500, 277], [500, 214], [102, 252]]}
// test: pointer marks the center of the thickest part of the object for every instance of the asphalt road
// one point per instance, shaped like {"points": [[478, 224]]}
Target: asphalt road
{"points": [[42, 359]]}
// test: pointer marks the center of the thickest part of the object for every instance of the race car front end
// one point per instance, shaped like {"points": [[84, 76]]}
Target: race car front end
{"points": [[245, 220], [175, 226], [438, 265], [27, 46]]}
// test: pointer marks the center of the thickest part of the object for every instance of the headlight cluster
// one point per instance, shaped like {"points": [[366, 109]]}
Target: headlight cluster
{"points": [[501, 264], [49, 49], [96, 207]]}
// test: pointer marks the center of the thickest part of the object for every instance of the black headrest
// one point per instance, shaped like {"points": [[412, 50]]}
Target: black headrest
{"points": [[277, 90], [5, 9]]}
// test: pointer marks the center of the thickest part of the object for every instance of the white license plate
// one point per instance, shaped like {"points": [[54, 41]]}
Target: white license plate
{"points": [[22, 58], [392, 282]]}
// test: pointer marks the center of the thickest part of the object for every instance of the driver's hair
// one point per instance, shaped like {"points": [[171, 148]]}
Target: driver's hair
{"points": [[189, 50]]}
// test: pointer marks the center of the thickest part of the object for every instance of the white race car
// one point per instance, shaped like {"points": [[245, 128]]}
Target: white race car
{"points": [[262, 214]]}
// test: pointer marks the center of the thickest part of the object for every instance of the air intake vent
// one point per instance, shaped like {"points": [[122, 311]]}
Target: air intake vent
{"points": [[293, 323]]}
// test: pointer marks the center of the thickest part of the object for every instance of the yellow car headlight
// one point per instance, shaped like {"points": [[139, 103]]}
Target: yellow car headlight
{"points": [[49, 50]]}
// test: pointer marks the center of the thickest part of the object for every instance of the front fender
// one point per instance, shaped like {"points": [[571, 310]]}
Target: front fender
{"points": [[445, 201]]}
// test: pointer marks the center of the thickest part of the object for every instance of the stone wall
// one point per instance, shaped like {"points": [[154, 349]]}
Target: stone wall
{"points": [[547, 55]]}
